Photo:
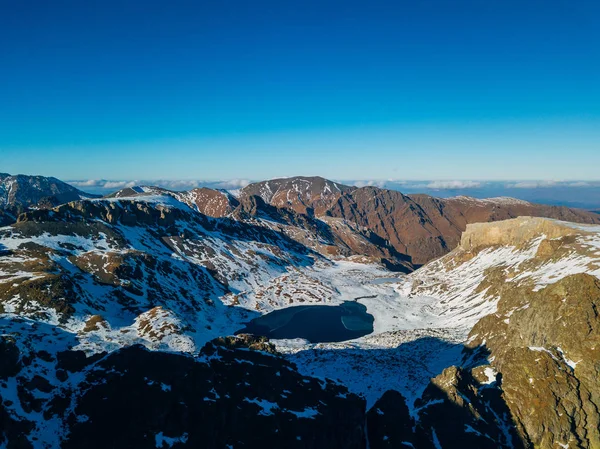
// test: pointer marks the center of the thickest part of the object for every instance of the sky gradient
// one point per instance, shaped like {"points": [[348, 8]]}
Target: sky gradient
{"points": [[347, 90]]}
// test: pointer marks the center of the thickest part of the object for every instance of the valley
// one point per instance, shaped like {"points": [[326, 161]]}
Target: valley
{"points": [[128, 286]]}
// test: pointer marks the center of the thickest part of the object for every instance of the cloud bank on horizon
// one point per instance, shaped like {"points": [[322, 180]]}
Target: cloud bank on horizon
{"points": [[228, 184], [103, 185], [583, 194]]}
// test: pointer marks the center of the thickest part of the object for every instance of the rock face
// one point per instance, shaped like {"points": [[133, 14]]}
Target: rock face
{"points": [[529, 381], [517, 232], [389, 422], [548, 354], [235, 398]]}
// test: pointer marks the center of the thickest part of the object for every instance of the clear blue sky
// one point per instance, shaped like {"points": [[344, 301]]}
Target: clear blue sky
{"points": [[446, 89]]}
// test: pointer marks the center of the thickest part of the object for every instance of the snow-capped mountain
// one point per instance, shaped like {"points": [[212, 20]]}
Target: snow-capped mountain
{"points": [[403, 230], [20, 191], [125, 306]]}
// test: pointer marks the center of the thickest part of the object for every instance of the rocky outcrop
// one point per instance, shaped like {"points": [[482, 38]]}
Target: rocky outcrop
{"points": [[529, 379], [389, 423], [126, 212], [516, 232], [546, 345], [529, 291]]}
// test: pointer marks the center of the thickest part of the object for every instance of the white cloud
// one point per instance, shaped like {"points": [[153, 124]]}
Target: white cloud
{"points": [[103, 185], [545, 184], [119, 184], [442, 185], [231, 184], [371, 183], [88, 183], [531, 184]]}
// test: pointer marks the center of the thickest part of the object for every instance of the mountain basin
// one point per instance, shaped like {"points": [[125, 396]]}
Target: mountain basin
{"points": [[316, 323]]}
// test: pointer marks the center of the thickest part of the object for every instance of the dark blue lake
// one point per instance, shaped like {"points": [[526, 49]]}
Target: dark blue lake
{"points": [[317, 324]]}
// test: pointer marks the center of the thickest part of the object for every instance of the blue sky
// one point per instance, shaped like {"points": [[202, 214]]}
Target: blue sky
{"points": [[343, 89]]}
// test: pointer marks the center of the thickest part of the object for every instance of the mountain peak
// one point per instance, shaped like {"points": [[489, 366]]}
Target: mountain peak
{"points": [[299, 193], [17, 191]]}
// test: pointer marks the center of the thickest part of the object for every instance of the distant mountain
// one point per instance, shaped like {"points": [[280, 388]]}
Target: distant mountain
{"points": [[419, 226], [402, 231], [21, 191], [311, 194], [326, 235]]}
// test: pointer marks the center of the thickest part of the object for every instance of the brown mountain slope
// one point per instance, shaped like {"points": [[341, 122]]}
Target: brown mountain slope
{"points": [[420, 226], [366, 221], [214, 203]]}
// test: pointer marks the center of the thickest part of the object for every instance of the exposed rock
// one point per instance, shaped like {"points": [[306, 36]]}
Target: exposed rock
{"points": [[418, 226], [58, 292], [459, 411], [389, 423], [548, 352], [516, 232], [213, 203], [95, 323], [10, 362], [256, 343]]}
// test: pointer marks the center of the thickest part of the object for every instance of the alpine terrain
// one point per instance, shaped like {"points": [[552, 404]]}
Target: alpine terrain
{"points": [[295, 313]]}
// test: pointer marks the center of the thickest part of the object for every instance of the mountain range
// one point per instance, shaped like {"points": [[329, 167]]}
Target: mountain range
{"points": [[122, 318], [367, 221]]}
